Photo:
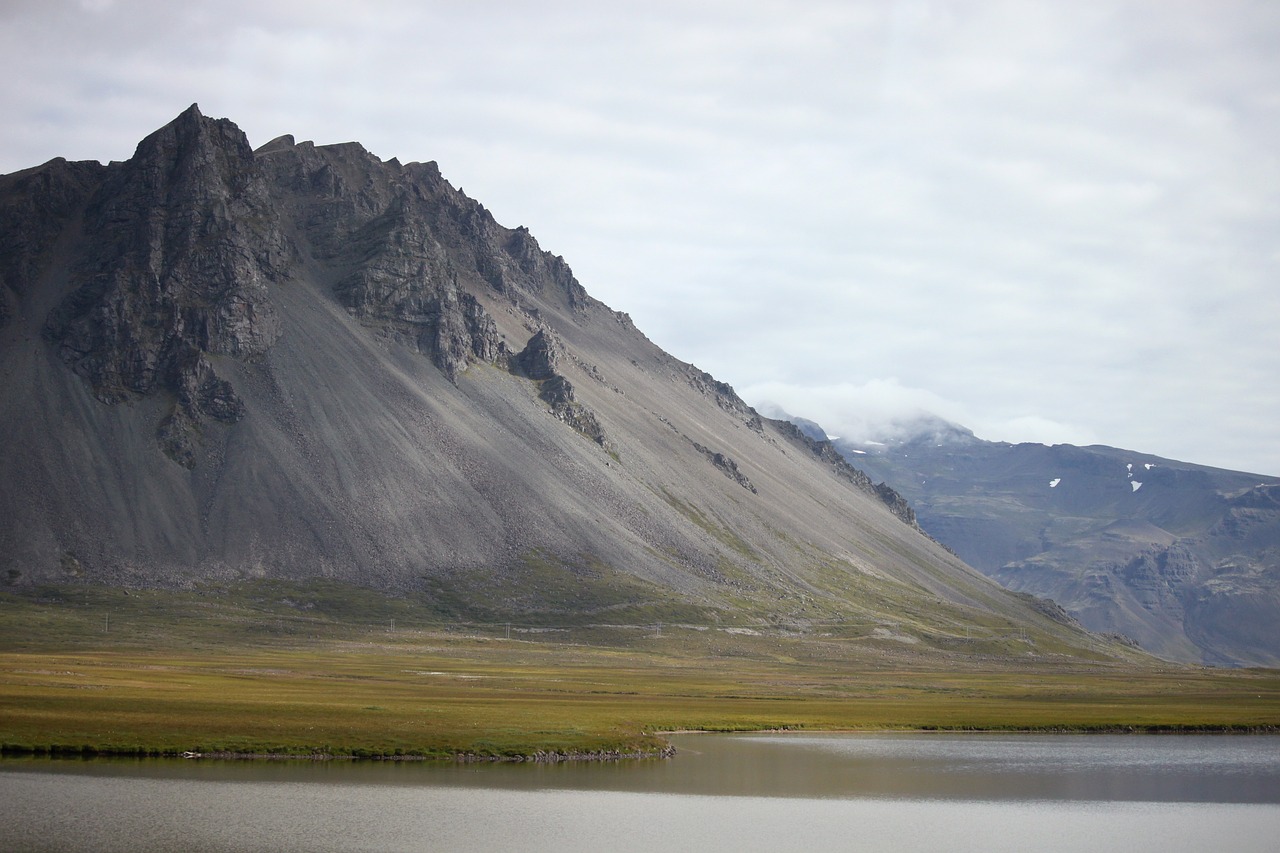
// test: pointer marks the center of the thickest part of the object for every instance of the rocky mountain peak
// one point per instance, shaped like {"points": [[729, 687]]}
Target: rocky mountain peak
{"points": [[303, 362], [191, 147], [182, 241]]}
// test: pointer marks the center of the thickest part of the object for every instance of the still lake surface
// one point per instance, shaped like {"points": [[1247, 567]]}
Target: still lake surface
{"points": [[979, 792]]}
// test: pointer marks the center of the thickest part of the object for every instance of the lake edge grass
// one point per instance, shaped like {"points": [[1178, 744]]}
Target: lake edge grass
{"points": [[312, 671], [446, 699]]}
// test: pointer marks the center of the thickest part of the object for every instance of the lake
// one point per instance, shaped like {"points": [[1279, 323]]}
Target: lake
{"points": [[979, 792]]}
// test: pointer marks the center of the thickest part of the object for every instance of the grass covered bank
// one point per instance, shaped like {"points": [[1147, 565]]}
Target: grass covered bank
{"points": [[150, 672], [444, 696]]}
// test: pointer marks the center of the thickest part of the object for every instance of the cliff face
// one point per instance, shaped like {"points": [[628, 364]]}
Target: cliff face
{"points": [[305, 362], [181, 243]]}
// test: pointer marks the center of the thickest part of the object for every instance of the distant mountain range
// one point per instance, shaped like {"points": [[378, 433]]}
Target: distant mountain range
{"points": [[221, 364], [1183, 558]]}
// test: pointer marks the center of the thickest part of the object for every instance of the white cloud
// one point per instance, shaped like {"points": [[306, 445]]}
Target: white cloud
{"points": [[885, 408], [1057, 218]]}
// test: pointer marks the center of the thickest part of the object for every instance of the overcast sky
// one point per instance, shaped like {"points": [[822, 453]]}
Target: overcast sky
{"points": [[1047, 221]]}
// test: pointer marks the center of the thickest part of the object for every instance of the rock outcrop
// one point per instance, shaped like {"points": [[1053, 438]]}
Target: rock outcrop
{"points": [[726, 466], [827, 452], [540, 361]]}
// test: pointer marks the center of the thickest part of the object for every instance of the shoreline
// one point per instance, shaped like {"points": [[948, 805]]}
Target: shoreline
{"points": [[536, 757], [667, 751], [1066, 729]]}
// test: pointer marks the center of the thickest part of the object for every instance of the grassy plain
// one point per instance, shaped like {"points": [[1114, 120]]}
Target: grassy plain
{"points": [[98, 671]]}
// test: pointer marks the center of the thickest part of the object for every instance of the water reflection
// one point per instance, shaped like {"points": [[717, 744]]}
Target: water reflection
{"points": [[750, 792], [1146, 768], [1123, 768]]}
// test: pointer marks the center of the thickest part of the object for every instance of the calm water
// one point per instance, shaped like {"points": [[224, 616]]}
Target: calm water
{"points": [[749, 792]]}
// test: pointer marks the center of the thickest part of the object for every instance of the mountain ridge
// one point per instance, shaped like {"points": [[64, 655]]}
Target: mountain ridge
{"points": [[1183, 558], [298, 362]]}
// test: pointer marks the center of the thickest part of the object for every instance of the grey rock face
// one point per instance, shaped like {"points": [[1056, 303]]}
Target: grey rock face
{"points": [[186, 237], [558, 393], [409, 287], [1158, 576], [182, 245], [35, 208], [897, 503], [540, 358], [540, 361]]}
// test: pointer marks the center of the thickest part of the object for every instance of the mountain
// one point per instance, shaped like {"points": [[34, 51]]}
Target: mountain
{"points": [[1183, 558], [299, 363]]}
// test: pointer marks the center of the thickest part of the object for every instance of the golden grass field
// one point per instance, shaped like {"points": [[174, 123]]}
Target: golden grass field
{"points": [[154, 682]]}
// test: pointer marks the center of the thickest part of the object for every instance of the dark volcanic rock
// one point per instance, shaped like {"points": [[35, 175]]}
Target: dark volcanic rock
{"points": [[896, 503], [558, 393], [409, 287], [36, 207], [540, 361], [182, 243], [540, 358], [726, 466]]}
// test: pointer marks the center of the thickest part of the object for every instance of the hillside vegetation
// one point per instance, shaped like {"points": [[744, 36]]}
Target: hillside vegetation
{"points": [[160, 674]]}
